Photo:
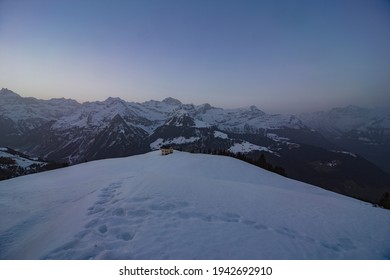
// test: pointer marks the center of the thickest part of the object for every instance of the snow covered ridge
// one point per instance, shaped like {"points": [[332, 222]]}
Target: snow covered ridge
{"points": [[193, 207], [177, 140]]}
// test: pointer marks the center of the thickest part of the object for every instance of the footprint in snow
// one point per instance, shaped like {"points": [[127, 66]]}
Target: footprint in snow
{"points": [[92, 223], [260, 227], [230, 218], [126, 236], [287, 232], [95, 209], [118, 212], [103, 229], [138, 213], [168, 205]]}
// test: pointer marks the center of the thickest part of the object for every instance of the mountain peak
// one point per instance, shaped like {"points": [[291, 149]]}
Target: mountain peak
{"points": [[172, 101], [114, 100], [5, 92], [255, 109]]}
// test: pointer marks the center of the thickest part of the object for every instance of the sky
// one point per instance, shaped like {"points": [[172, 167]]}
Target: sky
{"points": [[279, 55]]}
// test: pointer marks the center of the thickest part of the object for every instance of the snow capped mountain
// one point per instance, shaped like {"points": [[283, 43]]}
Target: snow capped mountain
{"points": [[342, 120], [9, 95], [148, 115], [66, 131], [99, 114], [172, 101], [247, 120], [29, 113], [182, 206], [360, 130]]}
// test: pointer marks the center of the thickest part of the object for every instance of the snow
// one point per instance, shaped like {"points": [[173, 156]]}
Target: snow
{"points": [[91, 118], [201, 124], [282, 140], [184, 206], [246, 147], [32, 112], [365, 139], [333, 163], [19, 161], [177, 140], [157, 144], [218, 134], [341, 120], [245, 120], [345, 153], [278, 138]]}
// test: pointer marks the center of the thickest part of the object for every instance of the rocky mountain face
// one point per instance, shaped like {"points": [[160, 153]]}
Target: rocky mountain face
{"points": [[64, 130]]}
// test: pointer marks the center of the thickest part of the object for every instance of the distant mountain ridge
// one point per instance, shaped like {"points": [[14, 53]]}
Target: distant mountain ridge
{"points": [[67, 131], [28, 113], [360, 130]]}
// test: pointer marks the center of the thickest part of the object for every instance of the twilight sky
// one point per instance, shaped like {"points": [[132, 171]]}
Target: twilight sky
{"points": [[280, 55]]}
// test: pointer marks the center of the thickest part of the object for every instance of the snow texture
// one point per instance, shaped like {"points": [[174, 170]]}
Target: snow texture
{"points": [[345, 153], [218, 134], [246, 147], [177, 140], [182, 206], [20, 161]]}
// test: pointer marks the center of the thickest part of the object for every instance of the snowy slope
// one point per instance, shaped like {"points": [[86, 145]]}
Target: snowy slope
{"points": [[183, 206], [20, 161], [13, 164]]}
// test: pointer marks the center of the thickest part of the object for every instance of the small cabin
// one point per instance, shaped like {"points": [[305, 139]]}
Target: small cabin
{"points": [[166, 150]]}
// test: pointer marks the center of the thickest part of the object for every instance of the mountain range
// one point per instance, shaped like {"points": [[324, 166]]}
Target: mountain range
{"points": [[314, 148], [361, 130]]}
